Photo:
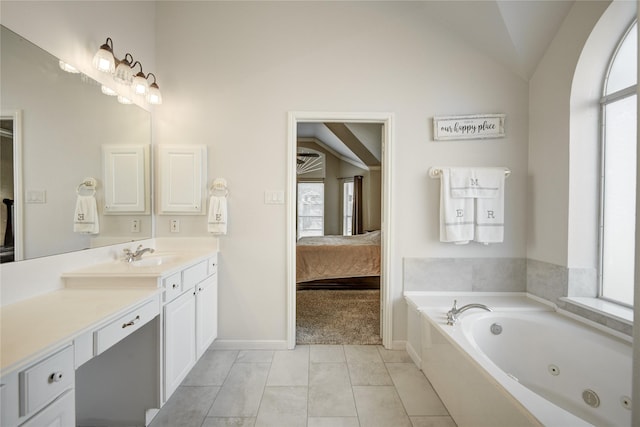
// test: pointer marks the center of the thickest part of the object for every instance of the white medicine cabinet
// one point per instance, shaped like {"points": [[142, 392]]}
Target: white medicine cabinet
{"points": [[126, 181], [182, 177]]}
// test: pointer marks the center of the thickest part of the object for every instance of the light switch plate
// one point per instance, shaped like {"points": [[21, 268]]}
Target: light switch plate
{"points": [[36, 196], [274, 197]]}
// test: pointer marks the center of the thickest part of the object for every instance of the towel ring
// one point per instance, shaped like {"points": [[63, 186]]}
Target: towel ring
{"points": [[88, 183], [219, 188]]}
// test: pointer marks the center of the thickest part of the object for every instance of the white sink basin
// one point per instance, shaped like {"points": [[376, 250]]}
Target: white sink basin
{"points": [[152, 260]]}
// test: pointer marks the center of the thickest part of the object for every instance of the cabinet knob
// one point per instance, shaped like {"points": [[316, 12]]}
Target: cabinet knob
{"points": [[174, 286], [55, 377]]}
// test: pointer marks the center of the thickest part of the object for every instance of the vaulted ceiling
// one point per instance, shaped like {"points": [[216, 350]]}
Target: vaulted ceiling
{"points": [[515, 33]]}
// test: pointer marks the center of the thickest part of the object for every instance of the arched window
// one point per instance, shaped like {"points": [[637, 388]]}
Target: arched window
{"points": [[618, 175]]}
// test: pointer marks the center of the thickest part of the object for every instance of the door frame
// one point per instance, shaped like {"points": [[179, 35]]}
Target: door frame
{"points": [[386, 120], [18, 201]]}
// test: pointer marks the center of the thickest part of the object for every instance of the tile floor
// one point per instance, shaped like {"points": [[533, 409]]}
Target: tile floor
{"points": [[311, 386]]}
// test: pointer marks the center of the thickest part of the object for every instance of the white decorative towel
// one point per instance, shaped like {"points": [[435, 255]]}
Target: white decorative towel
{"points": [[85, 219], [490, 213], [475, 182], [217, 215], [456, 215]]}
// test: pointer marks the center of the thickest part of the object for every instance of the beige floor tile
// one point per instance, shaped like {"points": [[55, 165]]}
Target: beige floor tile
{"points": [[394, 356], [380, 406], [326, 354], [229, 422], [417, 394], [187, 407], [255, 356], [212, 368], [242, 391], [333, 422], [432, 422], [283, 407], [290, 367], [330, 392]]}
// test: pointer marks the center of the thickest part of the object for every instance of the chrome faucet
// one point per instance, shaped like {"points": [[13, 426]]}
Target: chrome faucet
{"points": [[135, 256], [452, 315]]}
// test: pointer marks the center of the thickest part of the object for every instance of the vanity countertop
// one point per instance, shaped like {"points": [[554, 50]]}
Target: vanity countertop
{"points": [[37, 325], [151, 265]]}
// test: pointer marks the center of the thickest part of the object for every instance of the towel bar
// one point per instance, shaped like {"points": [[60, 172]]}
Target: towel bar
{"points": [[435, 172]]}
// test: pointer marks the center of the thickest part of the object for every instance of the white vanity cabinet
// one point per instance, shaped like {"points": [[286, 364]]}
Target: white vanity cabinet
{"points": [[190, 320], [41, 394]]}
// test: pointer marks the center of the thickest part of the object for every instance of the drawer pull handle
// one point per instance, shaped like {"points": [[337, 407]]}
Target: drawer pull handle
{"points": [[174, 286], [55, 377], [131, 322]]}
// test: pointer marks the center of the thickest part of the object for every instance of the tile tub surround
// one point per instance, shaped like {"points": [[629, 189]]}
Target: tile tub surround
{"points": [[545, 280], [465, 274], [314, 386]]}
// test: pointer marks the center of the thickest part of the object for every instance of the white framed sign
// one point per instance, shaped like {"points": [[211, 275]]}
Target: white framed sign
{"points": [[480, 126]]}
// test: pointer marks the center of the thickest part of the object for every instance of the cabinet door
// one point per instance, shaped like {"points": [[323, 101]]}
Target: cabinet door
{"points": [[180, 340], [206, 313], [126, 183], [183, 179]]}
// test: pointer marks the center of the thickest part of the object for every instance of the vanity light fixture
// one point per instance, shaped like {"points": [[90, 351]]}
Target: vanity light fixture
{"points": [[140, 83], [154, 96], [124, 73], [104, 60]]}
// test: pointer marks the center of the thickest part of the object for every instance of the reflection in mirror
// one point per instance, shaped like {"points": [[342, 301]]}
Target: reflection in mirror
{"points": [[54, 125]]}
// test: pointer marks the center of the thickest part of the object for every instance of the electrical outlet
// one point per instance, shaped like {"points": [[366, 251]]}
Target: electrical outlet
{"points": [[175, 226], [135, 225]]}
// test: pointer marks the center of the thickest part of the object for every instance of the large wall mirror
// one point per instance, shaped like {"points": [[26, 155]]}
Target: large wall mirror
{"points": [[54, 127]]}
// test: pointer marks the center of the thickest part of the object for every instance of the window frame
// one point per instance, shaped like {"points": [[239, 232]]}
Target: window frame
{"points": [[345, 183], [309, 181], [605, 100]]}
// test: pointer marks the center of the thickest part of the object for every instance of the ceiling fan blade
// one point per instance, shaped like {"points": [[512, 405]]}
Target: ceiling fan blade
{"points": [[308, 154]]}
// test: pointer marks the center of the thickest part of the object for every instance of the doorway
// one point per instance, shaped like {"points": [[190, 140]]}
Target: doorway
{"points": [[384, 120]]}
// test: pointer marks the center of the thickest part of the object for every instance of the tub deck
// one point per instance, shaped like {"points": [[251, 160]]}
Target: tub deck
{"points": [[475, 391]]}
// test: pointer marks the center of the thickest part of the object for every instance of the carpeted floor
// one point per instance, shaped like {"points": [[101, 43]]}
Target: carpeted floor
{"points": [[338, 317]]}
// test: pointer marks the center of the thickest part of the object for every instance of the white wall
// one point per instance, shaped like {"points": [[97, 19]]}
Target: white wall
{"points": [[232, 70], [549, 143]]}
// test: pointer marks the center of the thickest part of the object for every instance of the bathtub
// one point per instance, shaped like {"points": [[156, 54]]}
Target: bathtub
{"points": [[543, 368]]}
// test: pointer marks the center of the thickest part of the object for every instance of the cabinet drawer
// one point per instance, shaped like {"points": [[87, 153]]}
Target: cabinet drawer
{"points": [[60, 413], [124, 325], [172, 286], [194, 274], [46, 380]]}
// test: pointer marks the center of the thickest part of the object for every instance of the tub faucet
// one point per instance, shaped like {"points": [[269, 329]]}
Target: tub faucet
{"points": [[452, 315], [135, 256]]}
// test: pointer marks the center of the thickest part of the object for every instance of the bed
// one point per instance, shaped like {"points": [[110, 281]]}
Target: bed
{"points": [[336, 257]]}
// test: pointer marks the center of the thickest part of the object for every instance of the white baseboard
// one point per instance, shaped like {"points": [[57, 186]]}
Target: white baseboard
{"points": [[249, 345]]}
